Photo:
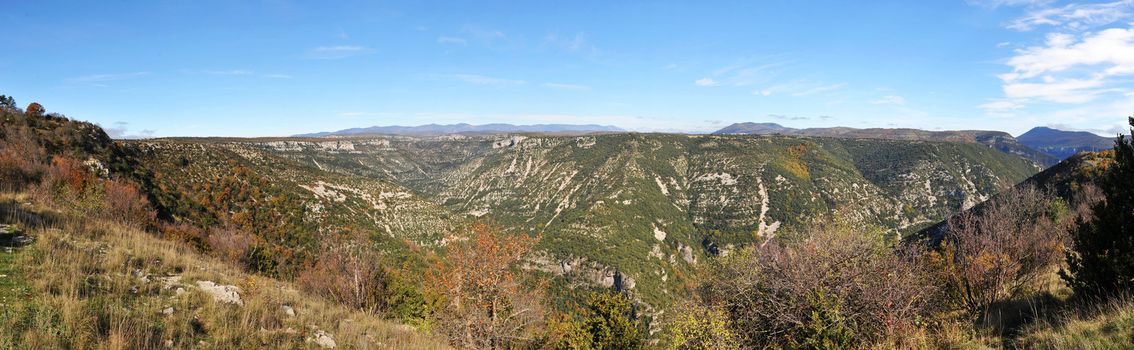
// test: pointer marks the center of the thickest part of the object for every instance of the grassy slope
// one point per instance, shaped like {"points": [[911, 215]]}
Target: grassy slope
{"points": [[85, 292], [1110, 326]]}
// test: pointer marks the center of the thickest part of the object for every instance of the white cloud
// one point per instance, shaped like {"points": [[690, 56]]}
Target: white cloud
{"points": [[236, 73], [999, 3], [819, 89], [228, 72], [706, 82], [1075, 16], [485, 80], [336, 52], [452, 40], [1001, 105], [1071, 68], [1059, 91], [889, 100], [1112, 49], [744, 74], [483, 34], [359, 114], [799, 88], [103, 80], [121, 130], [562, 86]]}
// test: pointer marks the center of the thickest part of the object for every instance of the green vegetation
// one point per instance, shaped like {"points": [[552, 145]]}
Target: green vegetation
{"points": [[1102, 258]]}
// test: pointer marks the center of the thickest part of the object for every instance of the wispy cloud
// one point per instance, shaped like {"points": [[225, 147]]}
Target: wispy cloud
{"points": [[229, 72], [336, 52], [563, 86], [1081, 72], [121, 130], [359, 114], [889, 100], [787, 117], [450, 40], [819, 89], [1001, 106], [705, 82], [235, 73], [102, 80], [999, 3], [572, 43], [1071, 68], [1074, 16], [744, 73], [478, 79]]}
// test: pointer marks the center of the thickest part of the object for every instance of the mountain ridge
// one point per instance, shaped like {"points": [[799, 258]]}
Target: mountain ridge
{"points": [[999, 140], [465, 128], [1063, 144]]}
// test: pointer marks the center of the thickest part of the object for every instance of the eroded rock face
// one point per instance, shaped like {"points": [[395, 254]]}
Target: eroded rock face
{"points": [[221, 293]]}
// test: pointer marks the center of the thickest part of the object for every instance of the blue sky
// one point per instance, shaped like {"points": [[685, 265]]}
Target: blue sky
{"points": [[262, 68]]}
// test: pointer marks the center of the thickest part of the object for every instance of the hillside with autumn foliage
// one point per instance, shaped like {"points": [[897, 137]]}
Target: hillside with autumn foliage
{"points": [[530, 240]]}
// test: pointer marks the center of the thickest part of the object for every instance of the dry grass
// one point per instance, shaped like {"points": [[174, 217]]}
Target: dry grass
{"points": [[1107, 326], [98, 285]]}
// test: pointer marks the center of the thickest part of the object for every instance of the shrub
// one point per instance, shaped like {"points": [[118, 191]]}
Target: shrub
{"points": [[70, 184], [230, 244], [127, 205], [348, 273], [833, 286], [485, 305], [21, 159], [696, 327], [193, 235], [1002, 250], [35, 110], [612, 323]]}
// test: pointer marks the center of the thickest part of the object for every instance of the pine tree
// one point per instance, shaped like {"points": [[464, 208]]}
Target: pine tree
{"points": [[1101, 262], [612, 322]]}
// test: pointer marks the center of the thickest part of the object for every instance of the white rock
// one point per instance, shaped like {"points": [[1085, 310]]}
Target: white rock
{"points": [[323, 340], [221, 293], [288, 310]]}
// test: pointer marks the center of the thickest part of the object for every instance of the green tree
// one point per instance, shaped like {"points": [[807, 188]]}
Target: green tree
{"points": [[696, 327], [1102, 256], [7, 102], [612, 323]]}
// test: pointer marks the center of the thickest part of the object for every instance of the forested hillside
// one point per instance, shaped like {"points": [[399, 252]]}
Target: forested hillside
{"points": [[640, 209]]}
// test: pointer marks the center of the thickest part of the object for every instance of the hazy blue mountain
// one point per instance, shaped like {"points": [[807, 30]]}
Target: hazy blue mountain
{"points": [[463, 128], [1062, 144]]}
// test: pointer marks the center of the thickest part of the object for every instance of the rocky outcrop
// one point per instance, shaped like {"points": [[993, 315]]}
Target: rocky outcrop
{"points": [[227, 294]]}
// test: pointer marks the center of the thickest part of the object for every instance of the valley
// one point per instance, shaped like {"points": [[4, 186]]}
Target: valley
{"points": [[643, 207]]}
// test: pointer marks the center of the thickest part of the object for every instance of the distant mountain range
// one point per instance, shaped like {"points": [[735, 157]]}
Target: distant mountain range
{"points": [[462, 128], [999, 140], [1063, 144]]}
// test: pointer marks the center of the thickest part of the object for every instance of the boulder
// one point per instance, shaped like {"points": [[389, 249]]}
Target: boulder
{"points": [[322, 339], [221, 293]]}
